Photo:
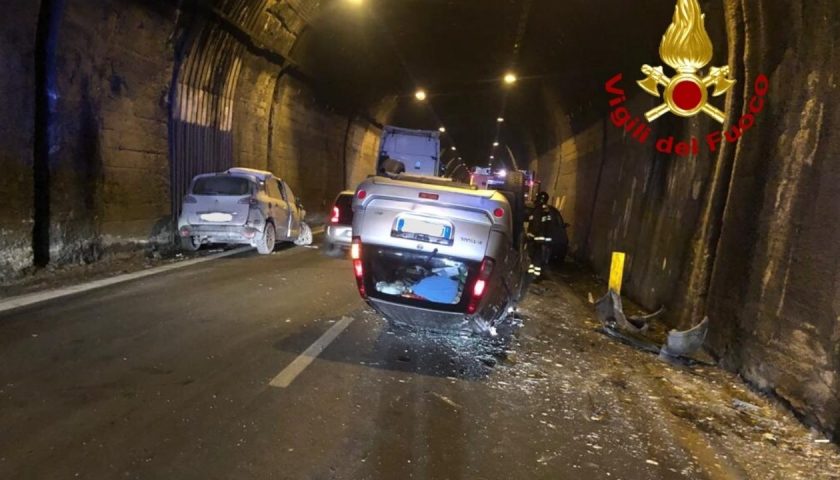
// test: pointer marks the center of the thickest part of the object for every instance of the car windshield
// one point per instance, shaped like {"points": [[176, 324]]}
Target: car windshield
{"points": [[231, 186], [417, 276]]}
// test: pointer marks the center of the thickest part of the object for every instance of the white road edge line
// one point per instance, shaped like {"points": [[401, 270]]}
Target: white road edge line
{"points": [[299, 364], [33, 298]]}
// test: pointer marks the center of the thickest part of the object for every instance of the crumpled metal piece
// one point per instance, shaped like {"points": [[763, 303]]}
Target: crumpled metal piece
{"points": [[610, 312], [687, 342]]}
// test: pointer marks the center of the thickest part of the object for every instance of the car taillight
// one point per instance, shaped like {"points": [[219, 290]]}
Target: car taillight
{"points": [[480, 286], [499, 213], [335, 215], [190, 199], [358, 266], [248, 201], [361, 194]]}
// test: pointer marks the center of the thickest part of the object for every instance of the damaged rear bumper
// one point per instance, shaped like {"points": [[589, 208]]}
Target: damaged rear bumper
{"points": [[236, 234]]}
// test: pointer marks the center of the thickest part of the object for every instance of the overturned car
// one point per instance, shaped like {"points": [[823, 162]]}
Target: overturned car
{"points": [[436, 255]]}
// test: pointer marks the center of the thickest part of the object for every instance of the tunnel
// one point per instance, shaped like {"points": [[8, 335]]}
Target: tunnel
{"points": [[111, 107]]}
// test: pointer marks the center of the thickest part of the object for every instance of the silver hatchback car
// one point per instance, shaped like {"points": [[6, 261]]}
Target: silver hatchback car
{"points": [[241, 206]]}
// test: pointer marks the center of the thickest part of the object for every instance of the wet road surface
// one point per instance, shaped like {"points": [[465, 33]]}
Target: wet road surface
{"points": [[168, 377]]}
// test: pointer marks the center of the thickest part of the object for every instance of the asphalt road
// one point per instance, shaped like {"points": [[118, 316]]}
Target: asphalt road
{"points": [[168, 378]]}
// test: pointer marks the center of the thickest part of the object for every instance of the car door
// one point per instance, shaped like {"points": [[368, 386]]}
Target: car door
{"points": [[279, 208], [295, 212]]}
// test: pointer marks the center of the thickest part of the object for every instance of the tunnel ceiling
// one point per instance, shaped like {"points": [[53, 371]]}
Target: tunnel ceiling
{"points": [[457, 50]]}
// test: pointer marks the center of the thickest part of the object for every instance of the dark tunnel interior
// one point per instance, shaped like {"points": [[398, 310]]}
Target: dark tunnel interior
{"points": [[110, 107]]}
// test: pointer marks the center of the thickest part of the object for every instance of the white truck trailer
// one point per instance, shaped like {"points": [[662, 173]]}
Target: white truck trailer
{"points": [[417, 150]]}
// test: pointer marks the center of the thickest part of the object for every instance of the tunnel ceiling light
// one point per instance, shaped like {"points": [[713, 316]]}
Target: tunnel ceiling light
{"points": [[500, 119], [420, 94], [510, 78], [355, 2]]}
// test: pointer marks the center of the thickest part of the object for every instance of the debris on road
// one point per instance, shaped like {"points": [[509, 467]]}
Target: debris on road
{"points": [[705, 417], [447, 401], [745, 406]]}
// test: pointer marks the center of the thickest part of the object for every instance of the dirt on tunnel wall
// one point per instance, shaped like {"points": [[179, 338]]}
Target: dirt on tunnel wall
{"points": [[17, 47], [747, 235]]}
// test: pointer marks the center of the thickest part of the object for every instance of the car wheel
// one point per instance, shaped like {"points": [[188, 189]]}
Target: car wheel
{"points": [[268, 240], [305, 237], [190, 244], [332, 250]]}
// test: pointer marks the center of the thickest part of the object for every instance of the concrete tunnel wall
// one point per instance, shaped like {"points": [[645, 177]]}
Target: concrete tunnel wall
{"points": [[124, 110], [748, 235]]}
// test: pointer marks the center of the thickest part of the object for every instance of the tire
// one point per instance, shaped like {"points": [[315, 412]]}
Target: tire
{"points": [[269, 239], [305, 237], [189, 244], [524, 284], [333, 250]]}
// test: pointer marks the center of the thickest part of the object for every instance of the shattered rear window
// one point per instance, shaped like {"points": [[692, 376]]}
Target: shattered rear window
{"points": [[418, 276], [229, 186]]}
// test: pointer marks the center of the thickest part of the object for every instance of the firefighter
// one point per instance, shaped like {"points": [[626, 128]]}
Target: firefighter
{"points": [[546, 235]]}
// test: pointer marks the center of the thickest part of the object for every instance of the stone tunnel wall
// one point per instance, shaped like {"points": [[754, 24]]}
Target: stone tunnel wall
{"points": [[775, 284], [17, 86], [109, 165], [748, 235], [281, 125], [109, 134]]}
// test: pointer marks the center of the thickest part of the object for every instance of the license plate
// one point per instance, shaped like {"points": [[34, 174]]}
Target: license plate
{"points": [[424, 230], [216, 217]]}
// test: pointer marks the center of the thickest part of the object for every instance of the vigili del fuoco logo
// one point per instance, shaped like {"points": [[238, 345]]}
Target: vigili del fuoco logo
{"points": [[687, 49]]}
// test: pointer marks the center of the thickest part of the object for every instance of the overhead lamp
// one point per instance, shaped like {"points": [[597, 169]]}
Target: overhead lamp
{"points": [[510, 78], [492, 157], [420, 95], [442, 129], [495, 144], [453, 149], [500, 119]]}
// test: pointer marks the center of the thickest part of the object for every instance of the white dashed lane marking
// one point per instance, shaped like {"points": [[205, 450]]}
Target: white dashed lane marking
{"points": [[290, 373]]}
